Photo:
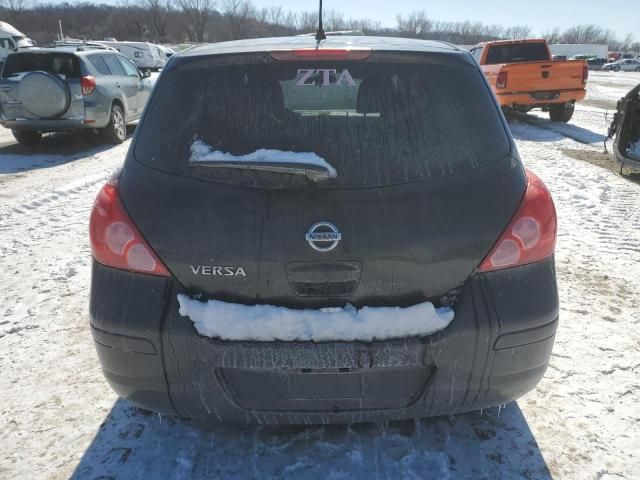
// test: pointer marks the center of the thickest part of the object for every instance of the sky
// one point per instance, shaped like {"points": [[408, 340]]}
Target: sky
{"points": [[621, 16]]}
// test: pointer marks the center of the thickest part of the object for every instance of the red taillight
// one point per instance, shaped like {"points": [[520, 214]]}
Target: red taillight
{"points": [[585, 74], [321, 54], [115, 240], [531, 234], [88, 85], [501, 81]]}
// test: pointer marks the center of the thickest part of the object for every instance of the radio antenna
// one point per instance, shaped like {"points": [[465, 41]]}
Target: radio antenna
{"points": [[320, 35]]}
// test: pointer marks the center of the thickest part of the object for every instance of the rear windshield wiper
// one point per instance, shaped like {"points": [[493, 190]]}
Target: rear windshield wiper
{"points": [[315, 173], [312, 166]]}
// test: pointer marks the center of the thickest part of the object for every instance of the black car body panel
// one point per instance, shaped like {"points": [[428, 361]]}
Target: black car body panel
{"points": [[415, 222], [495, 350], [433, 255]]}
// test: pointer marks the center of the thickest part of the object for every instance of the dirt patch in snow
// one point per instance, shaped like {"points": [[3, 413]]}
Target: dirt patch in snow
{"points": [[598, 158]]}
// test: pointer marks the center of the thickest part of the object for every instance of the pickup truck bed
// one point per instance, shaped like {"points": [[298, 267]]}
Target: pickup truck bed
{"points": [[524, 77]]}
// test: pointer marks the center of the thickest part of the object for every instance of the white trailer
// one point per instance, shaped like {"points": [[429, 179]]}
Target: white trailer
{"points": [[571, 49], [11, 39], [144, 55]]}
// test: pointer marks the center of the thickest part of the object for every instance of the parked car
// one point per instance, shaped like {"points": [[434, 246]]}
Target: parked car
{"points": [[71, 88], [144, 55], [319, 234], [558, 58], [626, 128], [523, 77], [583, 56], [75, 42], [625, 65], [596, 63]]}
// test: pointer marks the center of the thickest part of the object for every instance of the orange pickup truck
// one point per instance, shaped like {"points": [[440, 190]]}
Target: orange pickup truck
{"points": [[523, 76]]}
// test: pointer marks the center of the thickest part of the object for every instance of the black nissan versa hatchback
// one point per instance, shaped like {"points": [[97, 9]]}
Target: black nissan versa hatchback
{"points": [[329, 233]]}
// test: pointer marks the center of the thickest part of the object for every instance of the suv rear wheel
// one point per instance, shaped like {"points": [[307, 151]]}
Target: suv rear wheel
{"points": [[116, 130], [29, 138], [561, 113]]}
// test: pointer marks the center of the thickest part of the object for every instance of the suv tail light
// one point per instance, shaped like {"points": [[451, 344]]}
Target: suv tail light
{"points": [[115, 240], [531, 233], [585, 74], [321, 54], [501, 81], [88, 84]]}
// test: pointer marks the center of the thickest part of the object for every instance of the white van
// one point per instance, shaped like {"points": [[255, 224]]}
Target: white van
{"points": [[143, 54], [10, 40]]}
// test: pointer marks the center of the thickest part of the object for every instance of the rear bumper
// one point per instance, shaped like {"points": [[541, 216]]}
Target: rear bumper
{"points": [[495, 350], [95, 116], [61, 125], [529, 98]]}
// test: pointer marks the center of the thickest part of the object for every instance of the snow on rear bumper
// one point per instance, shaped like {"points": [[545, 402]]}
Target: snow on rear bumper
{"points": [[495, 350], [270, 323]]}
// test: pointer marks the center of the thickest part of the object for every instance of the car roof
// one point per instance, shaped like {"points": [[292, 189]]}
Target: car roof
{"points": [[280, 43], [76, 49]]}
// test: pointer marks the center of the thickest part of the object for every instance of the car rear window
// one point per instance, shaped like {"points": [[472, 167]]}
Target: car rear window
{"points": [[51, 62], [517, 52], [377, 123]]}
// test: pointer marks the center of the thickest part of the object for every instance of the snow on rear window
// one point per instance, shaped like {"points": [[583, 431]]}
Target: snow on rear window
{"points": [[203, 153], [267, 323]]}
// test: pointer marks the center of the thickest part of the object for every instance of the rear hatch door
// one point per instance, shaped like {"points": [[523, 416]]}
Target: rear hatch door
{"points": [[422, 188], [61, 65]]}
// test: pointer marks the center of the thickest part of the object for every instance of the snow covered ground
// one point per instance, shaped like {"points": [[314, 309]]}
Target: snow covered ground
{"points": [[58, 417]]}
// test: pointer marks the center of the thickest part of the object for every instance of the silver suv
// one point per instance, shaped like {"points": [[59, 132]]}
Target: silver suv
{"points": [[71, 88]]}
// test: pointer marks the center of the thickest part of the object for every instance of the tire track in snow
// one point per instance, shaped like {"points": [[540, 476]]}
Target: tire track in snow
{"points": [[50, 375], [591, 386]]}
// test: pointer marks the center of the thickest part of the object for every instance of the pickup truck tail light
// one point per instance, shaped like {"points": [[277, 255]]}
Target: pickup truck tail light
{"points": [[585, 74], [501, 81], [88, 85], [115, 240], [531, 233]]}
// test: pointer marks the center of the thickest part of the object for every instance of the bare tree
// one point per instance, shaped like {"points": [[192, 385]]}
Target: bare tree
{"points": [[197, 14], [363, 24], [238, 14], [12, 10], [416, 24], [134, 16], [198, 21], [552, 36], [273, 15], [518, 32], [157, 13], [627, 42], [493, 32], [307, 22], [586, 34], [333, 20]]}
